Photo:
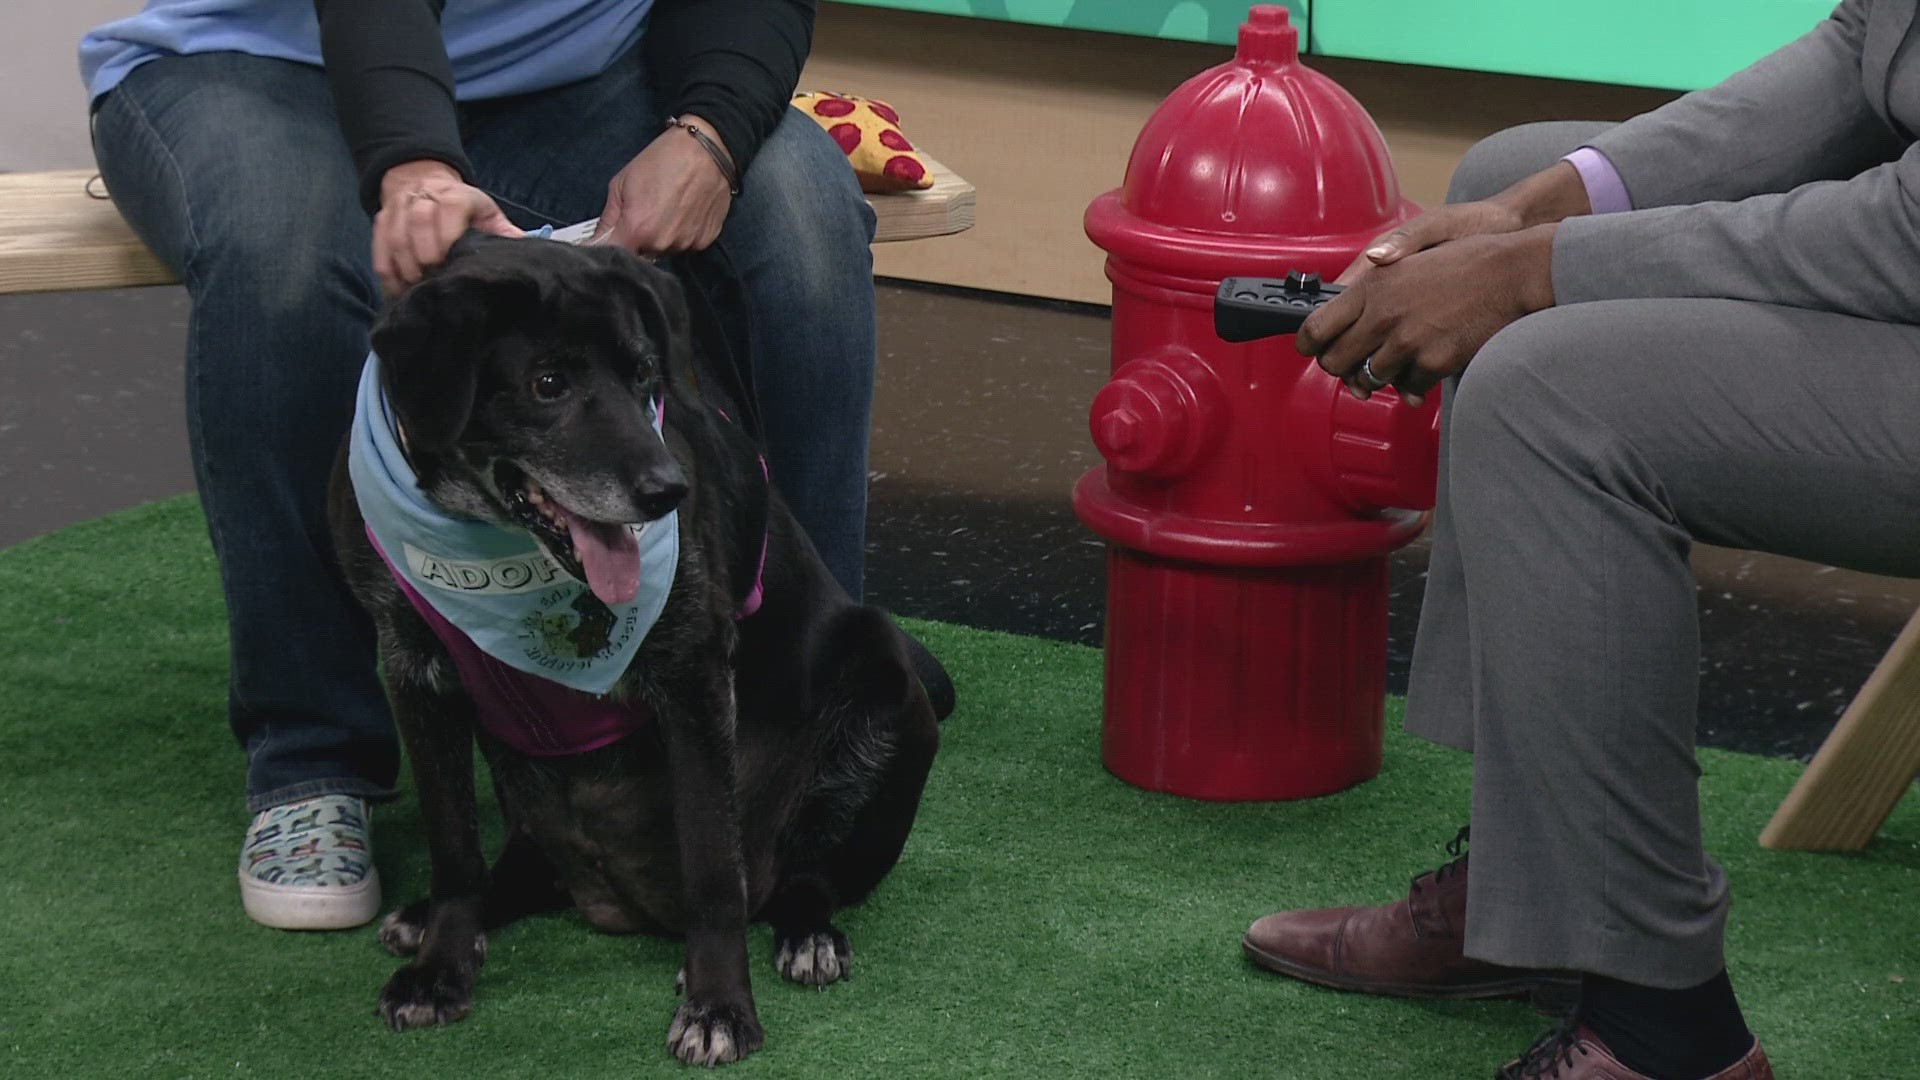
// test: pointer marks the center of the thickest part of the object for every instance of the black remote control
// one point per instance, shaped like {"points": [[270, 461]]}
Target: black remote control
{"points": [[1247, 309]]}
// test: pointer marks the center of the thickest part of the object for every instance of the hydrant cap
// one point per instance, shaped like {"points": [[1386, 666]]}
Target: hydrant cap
{"points": [[1268, 36], [1262, 146]]}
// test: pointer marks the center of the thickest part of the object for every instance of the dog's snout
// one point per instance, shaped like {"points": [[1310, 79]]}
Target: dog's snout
{"points": [[656, 498]]}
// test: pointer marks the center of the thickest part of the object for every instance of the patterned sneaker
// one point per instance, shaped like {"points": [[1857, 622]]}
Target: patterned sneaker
{"points": [[308, 865]]}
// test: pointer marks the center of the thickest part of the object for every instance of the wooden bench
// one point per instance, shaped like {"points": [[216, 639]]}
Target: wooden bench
{"points": [[59, 231]]}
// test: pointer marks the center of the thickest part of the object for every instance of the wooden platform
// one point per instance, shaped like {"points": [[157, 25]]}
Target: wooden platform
{"points": [[941, 210], [56, 236]]}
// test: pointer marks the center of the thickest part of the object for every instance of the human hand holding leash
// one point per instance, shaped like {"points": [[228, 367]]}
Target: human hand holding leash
{"points": [[1422, 318], [672, 197], [424, 208]]}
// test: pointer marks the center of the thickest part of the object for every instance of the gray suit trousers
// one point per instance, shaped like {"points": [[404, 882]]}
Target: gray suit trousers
{"points": [[1584, 450]]}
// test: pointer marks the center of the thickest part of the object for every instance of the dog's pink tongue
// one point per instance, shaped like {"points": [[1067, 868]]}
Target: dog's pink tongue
{"points": [[609, 554]]}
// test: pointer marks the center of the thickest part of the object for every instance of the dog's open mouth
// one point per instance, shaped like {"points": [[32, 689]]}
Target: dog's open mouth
{"points": [[603, 554]]}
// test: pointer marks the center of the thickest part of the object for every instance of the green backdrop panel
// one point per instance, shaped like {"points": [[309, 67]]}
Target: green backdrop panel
{"points": [[1183, 20], [1668, 44]]}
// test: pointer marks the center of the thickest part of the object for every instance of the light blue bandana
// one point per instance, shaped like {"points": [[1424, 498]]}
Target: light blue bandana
{"points": [[494, 584]]}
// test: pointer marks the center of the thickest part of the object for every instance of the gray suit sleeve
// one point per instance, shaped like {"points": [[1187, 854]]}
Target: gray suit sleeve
{"points": [[1797, 115], [1846, 246]]}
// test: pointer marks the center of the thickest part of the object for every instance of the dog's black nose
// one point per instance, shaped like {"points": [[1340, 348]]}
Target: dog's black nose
{"points": [[658, 500]]}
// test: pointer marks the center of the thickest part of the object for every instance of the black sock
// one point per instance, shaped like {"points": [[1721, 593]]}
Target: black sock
{"points": [[1667, 1034]]}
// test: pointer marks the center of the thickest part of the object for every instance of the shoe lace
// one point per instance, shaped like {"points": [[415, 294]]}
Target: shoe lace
{"points": [[1547, 1054], [1456, 847]]}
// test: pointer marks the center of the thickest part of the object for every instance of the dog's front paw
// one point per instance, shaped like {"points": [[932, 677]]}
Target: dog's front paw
{"points": [[420, 996], [812, 957], [400, 932], [714, 1034]]}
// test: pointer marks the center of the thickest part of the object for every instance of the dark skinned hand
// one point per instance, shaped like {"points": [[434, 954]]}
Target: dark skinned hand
{"points": [[1422, 316], [1550, 195], [1438, 226], [1435, 343], [672, 197]]}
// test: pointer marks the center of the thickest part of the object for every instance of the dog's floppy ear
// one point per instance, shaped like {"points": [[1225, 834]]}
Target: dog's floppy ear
{"points": [[657, 302], [428, 340], [675, 312], [430, 379]]}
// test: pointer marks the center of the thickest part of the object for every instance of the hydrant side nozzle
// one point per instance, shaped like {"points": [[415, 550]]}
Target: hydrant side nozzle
{"points": [[1158, 416], [1120, 429]]}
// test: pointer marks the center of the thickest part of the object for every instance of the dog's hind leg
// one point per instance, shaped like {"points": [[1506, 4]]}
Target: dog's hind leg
{"points": [[854, 822], [807, 947], [522, 883]]}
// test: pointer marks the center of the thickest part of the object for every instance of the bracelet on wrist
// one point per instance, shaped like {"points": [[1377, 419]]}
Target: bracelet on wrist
{"points": [[713, 150]]}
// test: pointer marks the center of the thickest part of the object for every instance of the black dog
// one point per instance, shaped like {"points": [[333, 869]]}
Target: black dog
{"points": [[780, 769]]}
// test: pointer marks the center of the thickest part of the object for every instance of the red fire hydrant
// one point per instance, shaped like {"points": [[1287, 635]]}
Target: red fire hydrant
{"points": [[1249, 502]]}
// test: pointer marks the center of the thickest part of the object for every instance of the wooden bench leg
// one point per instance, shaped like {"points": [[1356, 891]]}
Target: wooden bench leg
{"points": [[1866, 764]]}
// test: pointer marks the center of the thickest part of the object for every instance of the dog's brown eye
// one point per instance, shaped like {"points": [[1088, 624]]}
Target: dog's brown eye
{"points": [[548, 386]]}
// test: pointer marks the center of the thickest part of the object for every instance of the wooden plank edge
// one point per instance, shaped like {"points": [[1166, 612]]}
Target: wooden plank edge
{"points": [[1804, 820], [949, 210]]}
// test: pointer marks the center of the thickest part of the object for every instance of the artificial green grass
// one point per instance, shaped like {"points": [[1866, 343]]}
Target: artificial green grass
{"points": [[1047, 920]]}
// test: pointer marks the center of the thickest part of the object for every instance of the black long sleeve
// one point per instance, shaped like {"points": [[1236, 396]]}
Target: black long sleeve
{"points": [[734, 63], [392, 86]]}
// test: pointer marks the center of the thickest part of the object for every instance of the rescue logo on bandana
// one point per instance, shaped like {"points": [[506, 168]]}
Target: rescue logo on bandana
{"points": [[561, 639]]}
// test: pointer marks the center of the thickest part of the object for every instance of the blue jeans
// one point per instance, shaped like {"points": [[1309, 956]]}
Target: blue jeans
{"points": [[232, 168]]}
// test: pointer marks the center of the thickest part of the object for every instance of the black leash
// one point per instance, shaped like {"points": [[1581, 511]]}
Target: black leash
{"points": [[718, 323]]}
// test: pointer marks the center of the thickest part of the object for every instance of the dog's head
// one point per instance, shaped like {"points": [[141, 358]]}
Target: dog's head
{"points": [[524, 375]]}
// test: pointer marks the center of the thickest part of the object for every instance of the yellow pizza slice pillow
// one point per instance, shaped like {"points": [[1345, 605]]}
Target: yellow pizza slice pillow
{"points": [[869, 132]]}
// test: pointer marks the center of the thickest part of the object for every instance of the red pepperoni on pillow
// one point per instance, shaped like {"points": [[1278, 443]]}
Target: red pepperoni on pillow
{"points": [[847, 135], [893, 140], [905, 168], [832, 106], [884, 111]]}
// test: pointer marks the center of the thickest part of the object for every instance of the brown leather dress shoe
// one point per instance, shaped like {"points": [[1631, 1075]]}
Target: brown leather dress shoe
{"points": [[1573, 1053], [1408, 949]]}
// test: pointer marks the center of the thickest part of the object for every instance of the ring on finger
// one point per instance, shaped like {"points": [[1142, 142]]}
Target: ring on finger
{"points": [[1374, 382]]}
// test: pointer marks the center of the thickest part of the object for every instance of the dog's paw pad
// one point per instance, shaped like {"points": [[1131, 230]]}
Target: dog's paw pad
{"points": [[400, 932], [417, 997], [714, 1034], [814, 957]]}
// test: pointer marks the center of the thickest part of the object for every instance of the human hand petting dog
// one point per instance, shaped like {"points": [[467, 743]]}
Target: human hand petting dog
{"points": [[1423, 298], [424, 208], [672, 197]]}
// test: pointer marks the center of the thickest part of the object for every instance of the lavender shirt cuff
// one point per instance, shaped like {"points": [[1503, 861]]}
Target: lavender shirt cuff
{"points": [[1606, 192]]}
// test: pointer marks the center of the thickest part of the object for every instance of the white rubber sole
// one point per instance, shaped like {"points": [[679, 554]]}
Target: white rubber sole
{"points": [[310, 907]]}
